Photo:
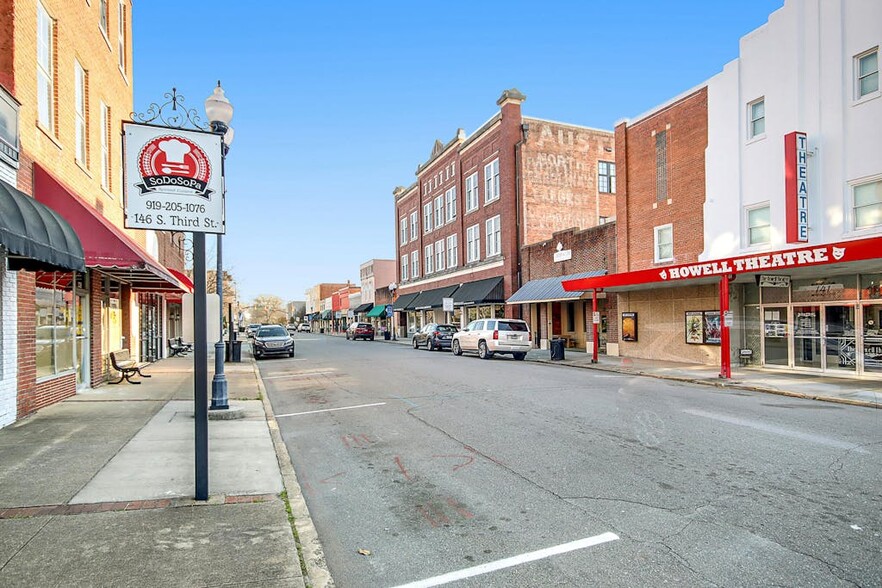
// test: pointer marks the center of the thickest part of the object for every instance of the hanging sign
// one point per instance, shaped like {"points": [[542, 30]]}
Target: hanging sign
{"points": [[174, 179], [772, 281], [447, 304]]}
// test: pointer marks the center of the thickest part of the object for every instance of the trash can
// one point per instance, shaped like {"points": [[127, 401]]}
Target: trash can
{"points": [[234, 351], [322, 331], [557, 349], [387, 335]]}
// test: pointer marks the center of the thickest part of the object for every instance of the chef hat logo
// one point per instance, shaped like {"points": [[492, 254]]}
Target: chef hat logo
{"points": [[174, 150]]}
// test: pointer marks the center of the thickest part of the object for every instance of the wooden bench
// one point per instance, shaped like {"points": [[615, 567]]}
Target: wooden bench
{"points": [[177, 348], [122, 362]]}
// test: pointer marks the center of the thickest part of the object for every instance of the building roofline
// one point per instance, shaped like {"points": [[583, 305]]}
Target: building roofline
{"points": [[664, 105], [564, 124]]}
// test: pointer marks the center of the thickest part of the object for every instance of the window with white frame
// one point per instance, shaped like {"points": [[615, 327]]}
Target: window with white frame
{"points": [[429, 258], [494, 245], [759, 228], [606, 177], [439, 255], [473, 243], [45, 71], [121, 37], [403, 230], [491, 181], [450, 204], [80, 113], [414, 226], [867, 205], [867, 73], [415, 264], [102, 16], [439, 211], [404, 262], [427, 218], [452, 251], [664, 243], [105, 147], [471, 184], [756, 116]]}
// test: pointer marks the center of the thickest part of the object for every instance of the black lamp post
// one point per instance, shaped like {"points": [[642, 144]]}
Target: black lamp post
{"points": [[219, 112], [392, 288]]}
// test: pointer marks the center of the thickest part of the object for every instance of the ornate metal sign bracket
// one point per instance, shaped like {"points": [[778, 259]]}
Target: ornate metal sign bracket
{"points": [[171, 113]]}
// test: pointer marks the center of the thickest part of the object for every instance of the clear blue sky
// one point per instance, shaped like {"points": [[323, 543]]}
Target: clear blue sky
{"points": [[336, 103]]}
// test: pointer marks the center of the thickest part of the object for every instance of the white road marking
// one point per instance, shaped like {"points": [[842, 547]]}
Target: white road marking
{"points": [[300, 375], [329, 409], [775, 430], [512, 561]]}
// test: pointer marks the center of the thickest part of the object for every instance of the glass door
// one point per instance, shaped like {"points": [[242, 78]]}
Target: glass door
{"points": [[839, 338], [872, 333], [775, 340], [82, 347], [807, 337]]}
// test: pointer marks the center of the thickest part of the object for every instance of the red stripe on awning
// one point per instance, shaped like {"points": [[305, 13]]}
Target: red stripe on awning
{"points": [[184, 278]]}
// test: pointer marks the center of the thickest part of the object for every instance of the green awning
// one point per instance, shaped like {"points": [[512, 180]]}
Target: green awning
{"points": [[326, 314], [377, 311]]}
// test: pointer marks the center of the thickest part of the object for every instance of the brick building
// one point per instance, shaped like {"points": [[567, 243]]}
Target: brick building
{"points": [[319, 311], [69, 66], [478, 198]]}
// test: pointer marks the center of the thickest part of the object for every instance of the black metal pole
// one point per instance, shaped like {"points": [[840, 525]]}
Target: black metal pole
{"points": [[200, 366], [219, 396]]}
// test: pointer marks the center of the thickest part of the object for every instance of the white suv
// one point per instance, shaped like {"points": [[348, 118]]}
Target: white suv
{"points": [[491, 336]]}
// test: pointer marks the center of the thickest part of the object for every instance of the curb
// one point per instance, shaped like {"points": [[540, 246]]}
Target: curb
{"points": [[311, 553]]}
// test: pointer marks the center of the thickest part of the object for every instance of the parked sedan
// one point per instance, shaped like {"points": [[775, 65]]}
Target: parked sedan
{"points": [[434, 336], [272, 340], [491, 336], [360, 331], [251, 329]]}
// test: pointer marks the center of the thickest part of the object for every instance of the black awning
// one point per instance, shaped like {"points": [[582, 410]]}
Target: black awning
{"points": [[363, 307], [35, 236], [433, 298], [404, 302], [481, 292]]}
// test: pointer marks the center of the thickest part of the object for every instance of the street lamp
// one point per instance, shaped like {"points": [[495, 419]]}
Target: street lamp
{"points": [[219, 112], [392, 288]]}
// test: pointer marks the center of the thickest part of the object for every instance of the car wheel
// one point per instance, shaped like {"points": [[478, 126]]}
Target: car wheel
{"points": [[483, 352], [372, 337], [456, 349], [432, 345], [291, 354], [416, 344], [347, 336], [520, 356]]}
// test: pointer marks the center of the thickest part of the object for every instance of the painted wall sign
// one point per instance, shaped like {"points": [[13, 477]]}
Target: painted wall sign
{"points": [[174, 179], [845, 251], [796, 186]]}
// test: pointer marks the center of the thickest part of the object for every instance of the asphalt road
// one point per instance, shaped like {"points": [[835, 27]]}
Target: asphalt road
{"points": [[436, 464]]}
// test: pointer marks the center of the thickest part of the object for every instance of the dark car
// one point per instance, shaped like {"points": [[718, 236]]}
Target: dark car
{"points": [[360, 331], [434, 336], [272, 340]]}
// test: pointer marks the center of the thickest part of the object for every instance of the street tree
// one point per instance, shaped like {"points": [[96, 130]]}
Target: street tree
{"points": [[267, 309]]}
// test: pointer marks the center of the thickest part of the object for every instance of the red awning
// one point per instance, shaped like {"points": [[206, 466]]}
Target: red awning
{"points": [[106, 246], [184, 278], [860, 255]]}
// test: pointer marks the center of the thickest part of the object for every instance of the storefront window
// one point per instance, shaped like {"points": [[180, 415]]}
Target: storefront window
{"points": [[472, 312], [824, 289], [484, 311], [871, 286], [751, 293], [499, 311], [54, 326], [872, 317], [457, 316]]}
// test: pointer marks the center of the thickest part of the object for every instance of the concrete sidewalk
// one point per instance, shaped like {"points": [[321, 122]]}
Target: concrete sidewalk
{"points": [[97, 490]]}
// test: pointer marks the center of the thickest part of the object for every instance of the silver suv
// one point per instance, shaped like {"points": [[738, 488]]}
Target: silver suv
{"points": [[491, 336]]}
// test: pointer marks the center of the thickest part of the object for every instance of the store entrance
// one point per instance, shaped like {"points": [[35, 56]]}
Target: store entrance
{"points": [[820, 337]]}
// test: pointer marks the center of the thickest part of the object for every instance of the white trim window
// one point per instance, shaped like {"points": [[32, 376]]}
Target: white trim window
{"points": [[439, 211], [415, 264], [494, 239], [121, 36], [102, 16], [606, 177], [414, 226], [866, 73], [404, 262], [491, 181], [439, 255], [105, 147], [452, 251], [756, 118], [473, 241], [402, 226], [80, 113], [867, 205], [45, 69], [429, 259], [759, 225], [471, 192], [663, 239], [450, 204], [427, 217]]}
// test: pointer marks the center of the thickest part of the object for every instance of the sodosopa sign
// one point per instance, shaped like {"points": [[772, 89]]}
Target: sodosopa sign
{"points": [[174, 179]]}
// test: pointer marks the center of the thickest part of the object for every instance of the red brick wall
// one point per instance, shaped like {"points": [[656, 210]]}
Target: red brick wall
{"points": [[7, 46], [638, 212], [593, 249], [98, 375]]}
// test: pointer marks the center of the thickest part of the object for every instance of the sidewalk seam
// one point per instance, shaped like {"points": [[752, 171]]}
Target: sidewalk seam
{"points": [[309, 546]]}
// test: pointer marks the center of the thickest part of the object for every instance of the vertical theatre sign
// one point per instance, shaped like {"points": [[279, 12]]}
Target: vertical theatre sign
{"points": [[796, 186], [174, 180]]}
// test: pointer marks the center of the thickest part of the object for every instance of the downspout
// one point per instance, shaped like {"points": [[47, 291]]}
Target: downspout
{"points": [[525, 130]]}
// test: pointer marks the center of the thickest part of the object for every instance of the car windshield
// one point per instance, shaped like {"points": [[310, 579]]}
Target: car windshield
{"points": [[445, 329], [511, 326], [272, 332]]}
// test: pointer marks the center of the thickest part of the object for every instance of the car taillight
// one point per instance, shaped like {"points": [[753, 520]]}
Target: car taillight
{"points": [[529, 336], [436, 334], [495, 335]]}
